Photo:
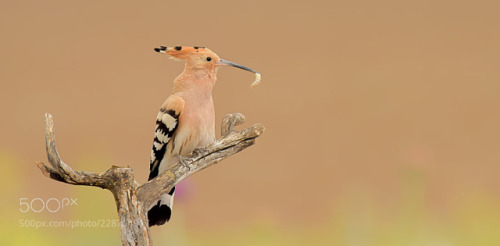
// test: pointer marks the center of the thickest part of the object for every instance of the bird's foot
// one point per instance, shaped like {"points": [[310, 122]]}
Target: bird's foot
{"points": [[183, 162], [200, 151]]}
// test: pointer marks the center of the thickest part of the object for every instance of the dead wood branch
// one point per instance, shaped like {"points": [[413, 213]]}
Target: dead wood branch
{"points": [[132, 199]]}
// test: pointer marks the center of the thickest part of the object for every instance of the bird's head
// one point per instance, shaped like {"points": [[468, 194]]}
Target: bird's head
{"points": [[201, 58]]}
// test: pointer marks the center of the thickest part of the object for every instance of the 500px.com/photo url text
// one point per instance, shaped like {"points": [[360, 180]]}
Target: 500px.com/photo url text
{"points": [[37, 224]]}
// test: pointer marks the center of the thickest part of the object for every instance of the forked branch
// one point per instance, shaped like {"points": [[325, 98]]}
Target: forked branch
{"points": [[133, 199]]}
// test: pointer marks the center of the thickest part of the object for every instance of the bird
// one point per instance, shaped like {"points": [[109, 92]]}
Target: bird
{"points": [[186, 120]]}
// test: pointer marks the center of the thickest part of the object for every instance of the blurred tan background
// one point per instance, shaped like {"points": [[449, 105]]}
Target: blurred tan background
{"points": [[381, 118]]}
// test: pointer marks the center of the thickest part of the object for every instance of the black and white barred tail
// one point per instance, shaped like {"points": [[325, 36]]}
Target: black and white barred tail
{"points": [[161, 212]]}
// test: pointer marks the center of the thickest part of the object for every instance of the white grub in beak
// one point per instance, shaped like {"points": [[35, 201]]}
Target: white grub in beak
{"points": [[257, 80]]}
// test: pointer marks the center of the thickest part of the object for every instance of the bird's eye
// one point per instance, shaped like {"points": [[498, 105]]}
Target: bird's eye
{"points": [[209, 58]]}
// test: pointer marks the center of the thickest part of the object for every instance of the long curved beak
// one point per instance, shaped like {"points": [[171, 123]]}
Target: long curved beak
{"points": [[257, 74], [225, 62]]}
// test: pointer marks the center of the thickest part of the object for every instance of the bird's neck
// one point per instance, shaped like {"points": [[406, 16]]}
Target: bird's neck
{"points": [[198, 79]]}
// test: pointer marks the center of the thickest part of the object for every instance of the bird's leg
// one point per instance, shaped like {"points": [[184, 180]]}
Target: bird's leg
{"points": [[183, 162]]}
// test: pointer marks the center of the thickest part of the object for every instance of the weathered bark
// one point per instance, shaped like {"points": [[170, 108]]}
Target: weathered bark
{"points": [[133, 199]]}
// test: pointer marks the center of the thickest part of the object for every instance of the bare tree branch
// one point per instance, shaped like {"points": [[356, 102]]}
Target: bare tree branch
{"points": [[133, 199], [59, 170]]}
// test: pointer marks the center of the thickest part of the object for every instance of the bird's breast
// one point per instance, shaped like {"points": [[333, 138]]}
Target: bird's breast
{"points": [[196, 125]]}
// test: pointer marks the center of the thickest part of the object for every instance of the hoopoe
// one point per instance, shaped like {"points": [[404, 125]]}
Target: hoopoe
{"points": [[186, 120]]}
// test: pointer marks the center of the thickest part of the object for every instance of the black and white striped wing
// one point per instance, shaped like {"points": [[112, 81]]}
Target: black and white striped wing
{"points": [[167, 122]]}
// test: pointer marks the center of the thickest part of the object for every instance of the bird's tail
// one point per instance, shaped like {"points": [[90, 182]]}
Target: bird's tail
{"points": [[162, 210]]}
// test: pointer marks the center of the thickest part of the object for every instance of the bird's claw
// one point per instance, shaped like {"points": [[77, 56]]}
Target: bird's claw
{"points": [[183, 162], [200, 151]]}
